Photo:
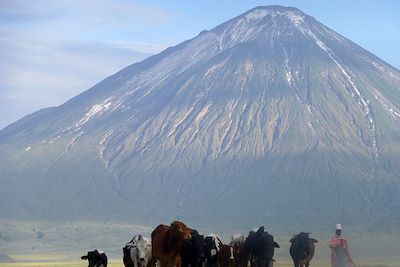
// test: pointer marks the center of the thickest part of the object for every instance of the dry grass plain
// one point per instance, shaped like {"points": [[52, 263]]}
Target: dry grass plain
{"points": [[112, 263], [118, 263], [58, 261]]}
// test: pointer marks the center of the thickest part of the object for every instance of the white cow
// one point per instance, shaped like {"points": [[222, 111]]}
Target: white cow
{"points": [[139, 251]]}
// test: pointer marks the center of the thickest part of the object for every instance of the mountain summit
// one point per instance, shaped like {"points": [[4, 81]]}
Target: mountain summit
{"points": [[268, 117]]}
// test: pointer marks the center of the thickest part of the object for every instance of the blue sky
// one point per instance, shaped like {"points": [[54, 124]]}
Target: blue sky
{"points": [[52, 50]]}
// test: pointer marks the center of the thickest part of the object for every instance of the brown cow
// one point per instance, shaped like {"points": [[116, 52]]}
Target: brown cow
{"points": [[237, 243], [167, 241], [225, 256]]}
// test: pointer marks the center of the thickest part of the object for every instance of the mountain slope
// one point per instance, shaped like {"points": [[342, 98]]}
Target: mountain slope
{"points": [[269, 116]]}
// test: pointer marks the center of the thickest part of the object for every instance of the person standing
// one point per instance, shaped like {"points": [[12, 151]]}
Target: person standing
{"points": [[340, 255]]}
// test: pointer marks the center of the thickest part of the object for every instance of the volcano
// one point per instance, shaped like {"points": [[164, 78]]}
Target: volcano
{"points": [[270, 117]]}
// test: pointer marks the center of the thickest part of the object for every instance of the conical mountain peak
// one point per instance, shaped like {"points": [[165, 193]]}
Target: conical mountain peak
{"points": [[274, 10], [270, 23]]}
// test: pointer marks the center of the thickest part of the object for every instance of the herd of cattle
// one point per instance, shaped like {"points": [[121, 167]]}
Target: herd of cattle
{"points": [[178, 245]]}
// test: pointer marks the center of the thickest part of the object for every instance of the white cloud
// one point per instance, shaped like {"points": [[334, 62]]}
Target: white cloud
{"points": [[81, 12], [51, 51]]}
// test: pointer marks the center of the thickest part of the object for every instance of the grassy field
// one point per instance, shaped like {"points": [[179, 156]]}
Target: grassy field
{"points": [[56, 264], [73, 259], [51, 264], [115, 263], [57, 260]]}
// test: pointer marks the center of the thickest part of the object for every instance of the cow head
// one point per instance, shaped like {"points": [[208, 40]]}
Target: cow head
{"points": [[226, 256], [237, 242], [212, 245], [182, 229], [198, 244], [143, 248]]}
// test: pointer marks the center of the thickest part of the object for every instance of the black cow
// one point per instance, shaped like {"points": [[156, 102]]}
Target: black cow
{"points": [[192, 250], [212, 247], [96, 258], [258, 249], [127, 260], [302, 249]]}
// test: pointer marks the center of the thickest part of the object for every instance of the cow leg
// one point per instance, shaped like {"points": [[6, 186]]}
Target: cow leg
{"points": [[152, 262], [178, 262]]}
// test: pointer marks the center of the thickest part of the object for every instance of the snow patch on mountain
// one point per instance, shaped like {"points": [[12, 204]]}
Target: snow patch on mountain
{"points": [[385, 70], [202, 114], [257, 14], [388, 107], [155, 85], [214, 68], [180, 121], [365, 104], [296, 18], [95, 110]]}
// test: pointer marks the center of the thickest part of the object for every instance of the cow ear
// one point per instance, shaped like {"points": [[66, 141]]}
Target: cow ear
{"points": [[276, 245], [84, 257], [314, 240], [291, 240]]}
